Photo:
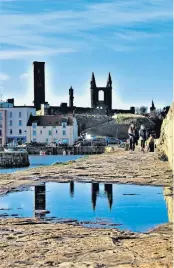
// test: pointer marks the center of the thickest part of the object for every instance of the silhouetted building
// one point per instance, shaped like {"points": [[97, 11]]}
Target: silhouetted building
{"points": [[106, 103], [95, 191], [40, 197], [109, 192], [39, 84], [11, 101], [71, 97], [72, 188], [98, 106], [152, 108]]}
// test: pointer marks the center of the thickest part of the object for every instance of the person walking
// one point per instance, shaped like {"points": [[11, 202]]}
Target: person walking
{"points": [[136, 135], [142, 135], [132, 138]]}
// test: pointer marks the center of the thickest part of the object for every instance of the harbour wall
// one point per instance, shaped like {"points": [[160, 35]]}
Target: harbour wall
{"points": [[14, 159], [71, 150]]}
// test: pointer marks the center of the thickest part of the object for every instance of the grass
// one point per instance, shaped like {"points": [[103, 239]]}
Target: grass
{"points": [[120, 118]]}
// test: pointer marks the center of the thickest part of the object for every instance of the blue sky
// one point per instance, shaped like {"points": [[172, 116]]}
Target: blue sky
{"points": [[132, 39]]}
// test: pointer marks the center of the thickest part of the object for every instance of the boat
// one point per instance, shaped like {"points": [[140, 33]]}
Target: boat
{"points": [[9, 150], [42, 153], [12, 150]]}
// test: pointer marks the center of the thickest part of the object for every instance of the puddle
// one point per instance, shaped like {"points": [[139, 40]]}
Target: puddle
{"points": [[130, 207]]}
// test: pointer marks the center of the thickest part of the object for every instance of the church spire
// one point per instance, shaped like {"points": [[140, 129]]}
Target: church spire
{"points": [[152, 108], [109, 81], [93, 83]]}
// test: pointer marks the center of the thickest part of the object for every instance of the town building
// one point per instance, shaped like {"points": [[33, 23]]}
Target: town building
{"points": [[52, 128], [13, 122], [2, 127]]}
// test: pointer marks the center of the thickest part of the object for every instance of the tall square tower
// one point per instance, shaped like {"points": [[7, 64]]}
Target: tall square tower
{"points": [[39, 84]]}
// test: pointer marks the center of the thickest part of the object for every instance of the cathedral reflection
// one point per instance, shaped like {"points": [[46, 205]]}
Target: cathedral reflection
{"points": [[94, 192], [40, 195], [72, 188], [40, 198], [109, 193]]}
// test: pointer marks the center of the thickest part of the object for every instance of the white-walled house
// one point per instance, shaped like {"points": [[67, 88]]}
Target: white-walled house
{"points": [[2, 127], [52, 128], [15, 120]]}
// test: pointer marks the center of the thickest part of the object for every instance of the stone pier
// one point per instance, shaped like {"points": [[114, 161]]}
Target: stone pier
{"points": [[14, 159]]}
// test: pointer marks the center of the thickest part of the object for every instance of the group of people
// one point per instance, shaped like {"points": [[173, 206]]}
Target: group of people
{"points": [[143, 135]]}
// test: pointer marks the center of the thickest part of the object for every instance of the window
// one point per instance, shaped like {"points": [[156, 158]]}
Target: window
{"points": [[34, 132], [10, 122], [49, 132], [0, 132], [34, 140], [10, 114], [20, 123], [20, 131], [64, 125], [64, 132], [20, 114], [40, 131], [11, 132], [56, 131], [46, 140], [0, 116], [101, 95], [34, 125]]}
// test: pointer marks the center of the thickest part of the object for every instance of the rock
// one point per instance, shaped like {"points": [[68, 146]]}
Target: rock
{"points": [[165, 144]]}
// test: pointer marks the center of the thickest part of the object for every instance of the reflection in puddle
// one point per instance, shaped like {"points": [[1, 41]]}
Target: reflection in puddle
{"points": [[137, 208]]}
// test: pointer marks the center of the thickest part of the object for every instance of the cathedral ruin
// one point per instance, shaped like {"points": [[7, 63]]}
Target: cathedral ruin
{"points": [[98, 106]]}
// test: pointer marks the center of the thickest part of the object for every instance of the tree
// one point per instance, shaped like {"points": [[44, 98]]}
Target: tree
{"points": [[143, 110], [137, 110]]}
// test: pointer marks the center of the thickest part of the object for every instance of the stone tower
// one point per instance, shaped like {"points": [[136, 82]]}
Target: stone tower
{"points": [[107, 102], [71, 97], [39, 84]]}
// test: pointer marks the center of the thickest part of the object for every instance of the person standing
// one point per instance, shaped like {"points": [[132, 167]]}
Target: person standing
{"points": [[132, 138], [150, 144], [142, 135]]}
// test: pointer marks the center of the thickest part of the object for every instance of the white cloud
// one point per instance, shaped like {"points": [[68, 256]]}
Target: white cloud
{"points": [[4, 77], [16, 54], [24, 76], [32, 31]]}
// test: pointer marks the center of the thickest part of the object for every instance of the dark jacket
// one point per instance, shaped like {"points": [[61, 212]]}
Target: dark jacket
{"points": [[136, 134]]}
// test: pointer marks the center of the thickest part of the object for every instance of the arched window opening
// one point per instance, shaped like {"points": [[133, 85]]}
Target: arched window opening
{"points": [[101, 95]]}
